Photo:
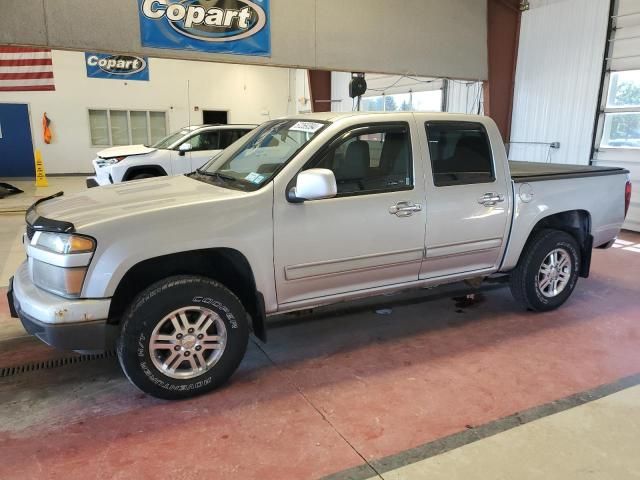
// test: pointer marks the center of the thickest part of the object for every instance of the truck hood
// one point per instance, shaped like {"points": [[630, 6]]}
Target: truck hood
{"points": [[108, 203], [125, 151]]}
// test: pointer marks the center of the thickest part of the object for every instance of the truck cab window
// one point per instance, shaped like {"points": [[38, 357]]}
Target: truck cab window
{"points": [[460, 153], [377, 160]]}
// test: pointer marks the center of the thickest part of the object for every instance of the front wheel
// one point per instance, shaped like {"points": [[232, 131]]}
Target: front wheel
{"points": [[142, 176], [182, 336], [547, 271]]}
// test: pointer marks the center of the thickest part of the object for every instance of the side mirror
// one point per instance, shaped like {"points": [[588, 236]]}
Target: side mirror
{"points": [[314, 184], [184, 148]]}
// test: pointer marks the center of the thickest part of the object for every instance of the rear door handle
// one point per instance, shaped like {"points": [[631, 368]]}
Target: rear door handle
{"points": [[490, 199], [404, 209]]}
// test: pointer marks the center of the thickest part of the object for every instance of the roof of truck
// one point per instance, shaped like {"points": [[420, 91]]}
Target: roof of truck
{"points": [[334, 116], [220, 125]]}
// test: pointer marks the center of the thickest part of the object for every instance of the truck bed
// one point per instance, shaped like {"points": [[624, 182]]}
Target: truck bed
{"points": [[535, 171]]}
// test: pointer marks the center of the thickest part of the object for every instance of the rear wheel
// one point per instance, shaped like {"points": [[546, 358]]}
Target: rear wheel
{"points": [[183, 336], [547, 271]]}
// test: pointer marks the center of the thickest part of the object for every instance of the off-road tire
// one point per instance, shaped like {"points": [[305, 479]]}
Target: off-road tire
{"points": [[524, 278], [153, 305]]}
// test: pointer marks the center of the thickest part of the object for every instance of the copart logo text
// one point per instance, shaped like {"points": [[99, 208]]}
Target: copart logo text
{"points": [[209, 20], [117, 64]]}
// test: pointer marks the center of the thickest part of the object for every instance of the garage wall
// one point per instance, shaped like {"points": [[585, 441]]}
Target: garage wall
{"points": [[420, 37], [251, 94], [557, 79], [465, 97]]}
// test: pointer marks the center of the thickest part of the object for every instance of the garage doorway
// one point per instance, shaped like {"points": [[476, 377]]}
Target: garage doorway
{"points": [[212, 117], [16, 144]]}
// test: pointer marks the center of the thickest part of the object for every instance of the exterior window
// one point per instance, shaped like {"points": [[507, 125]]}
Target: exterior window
{"points": [[139, 132], [371, 160], [460, 153], [157, 126], [99, 123], [622, 111], [119, 127], [429, 101], [125, 127], [227, 137], [204, 141]]}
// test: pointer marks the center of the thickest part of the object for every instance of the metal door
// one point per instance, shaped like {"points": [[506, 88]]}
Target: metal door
{"points": [[16, 145]]}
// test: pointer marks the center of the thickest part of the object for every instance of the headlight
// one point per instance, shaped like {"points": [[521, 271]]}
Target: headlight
{"points": [[59, 261], [106, 162], [64, 243]]}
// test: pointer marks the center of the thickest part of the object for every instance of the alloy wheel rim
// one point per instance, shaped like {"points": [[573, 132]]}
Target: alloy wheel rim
{"points": [[555, 273], [187, 342]]}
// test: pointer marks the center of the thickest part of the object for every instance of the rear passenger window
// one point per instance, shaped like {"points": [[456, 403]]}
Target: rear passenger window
{"points": [[460, 153], [370, 160]]}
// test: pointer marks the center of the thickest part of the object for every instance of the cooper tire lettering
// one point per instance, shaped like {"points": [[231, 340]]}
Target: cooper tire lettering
{"points": [[151, 306]]}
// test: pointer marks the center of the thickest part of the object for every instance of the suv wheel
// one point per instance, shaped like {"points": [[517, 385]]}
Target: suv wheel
{"points": [[182, 336], [547, 271]]}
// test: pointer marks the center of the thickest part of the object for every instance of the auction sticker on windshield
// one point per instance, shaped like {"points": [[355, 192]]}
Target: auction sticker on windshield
{"points": [[254, 178], [307, 127]]}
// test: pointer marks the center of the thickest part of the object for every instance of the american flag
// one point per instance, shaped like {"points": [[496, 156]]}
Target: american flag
{"points": [[24, 69]]}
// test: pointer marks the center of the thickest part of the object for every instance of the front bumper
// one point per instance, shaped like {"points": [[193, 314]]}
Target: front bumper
{"points": [[103, 173], [68, 324], [92, 182], [98, 180]]}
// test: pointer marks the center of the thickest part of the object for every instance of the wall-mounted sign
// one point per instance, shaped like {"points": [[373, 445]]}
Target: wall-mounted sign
{"points": [[118, 67], [239, 27]]}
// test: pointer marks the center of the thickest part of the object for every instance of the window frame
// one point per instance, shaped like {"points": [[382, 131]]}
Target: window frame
{"points": [[350, 132], [148, 113], [456, 183], [609, 111]]}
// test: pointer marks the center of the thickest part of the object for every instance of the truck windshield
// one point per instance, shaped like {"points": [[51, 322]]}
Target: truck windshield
{"points": [[253, 161]]}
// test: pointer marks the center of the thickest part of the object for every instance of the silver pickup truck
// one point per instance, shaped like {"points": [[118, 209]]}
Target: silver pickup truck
{"points": [[302, 212]]}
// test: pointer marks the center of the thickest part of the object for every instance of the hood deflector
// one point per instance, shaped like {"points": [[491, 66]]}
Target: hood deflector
{"points": [[37, 223]]}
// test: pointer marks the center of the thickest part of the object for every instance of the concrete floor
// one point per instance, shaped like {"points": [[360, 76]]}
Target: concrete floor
{"points": [[441, 387]]}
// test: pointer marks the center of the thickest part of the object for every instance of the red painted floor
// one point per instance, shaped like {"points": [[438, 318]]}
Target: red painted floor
{"points": [[382, 383]]}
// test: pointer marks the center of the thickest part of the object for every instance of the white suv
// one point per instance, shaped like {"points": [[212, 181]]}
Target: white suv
{"points": [[181, 152]]}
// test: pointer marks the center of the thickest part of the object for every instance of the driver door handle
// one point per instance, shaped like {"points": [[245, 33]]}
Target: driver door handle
{"points": [[490, 199], [404, 209]]}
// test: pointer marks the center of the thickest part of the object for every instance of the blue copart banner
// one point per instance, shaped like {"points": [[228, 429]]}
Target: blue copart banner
{"points": [[240, 27], [117, 67]]}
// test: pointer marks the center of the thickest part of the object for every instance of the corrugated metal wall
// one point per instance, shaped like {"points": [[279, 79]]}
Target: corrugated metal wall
{"points": [[465, 97], [558, 79]]}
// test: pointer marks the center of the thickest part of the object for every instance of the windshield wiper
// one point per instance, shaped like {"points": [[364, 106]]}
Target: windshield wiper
{"points": [[223, 177]]}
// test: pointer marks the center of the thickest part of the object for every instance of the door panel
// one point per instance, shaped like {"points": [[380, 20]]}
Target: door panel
{"points": [[468, 203], [365, 237], [180, 164], [325, 247], [16, 145]]}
